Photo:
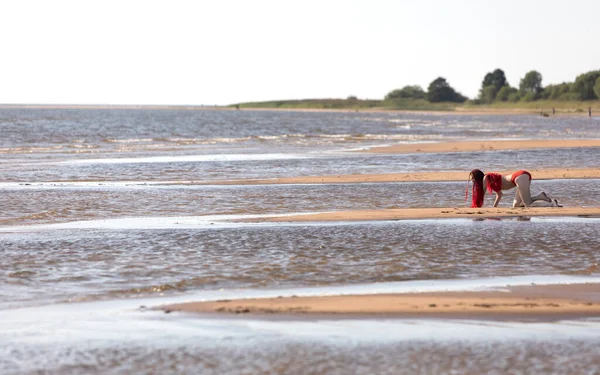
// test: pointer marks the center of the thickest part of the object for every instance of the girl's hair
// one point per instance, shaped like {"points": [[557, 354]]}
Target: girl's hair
{"points": [[494, 182], [477, 199]]}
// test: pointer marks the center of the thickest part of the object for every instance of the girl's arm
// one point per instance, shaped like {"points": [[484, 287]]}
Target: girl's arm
{"points": [[498, 197]]}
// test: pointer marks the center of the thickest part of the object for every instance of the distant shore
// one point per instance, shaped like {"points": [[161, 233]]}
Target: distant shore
{"points": [[544, 108]]}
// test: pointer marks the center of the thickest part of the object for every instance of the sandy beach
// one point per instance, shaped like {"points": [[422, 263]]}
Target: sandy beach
{"points": [[533, 302]]}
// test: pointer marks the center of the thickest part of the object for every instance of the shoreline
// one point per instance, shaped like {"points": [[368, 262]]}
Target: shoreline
{"points": [[532, 302], [490, 111]]}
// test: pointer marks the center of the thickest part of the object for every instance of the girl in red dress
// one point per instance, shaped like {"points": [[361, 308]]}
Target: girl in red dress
{"points": [[495, 182]]}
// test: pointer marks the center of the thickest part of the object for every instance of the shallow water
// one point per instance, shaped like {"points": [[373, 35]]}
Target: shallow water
{"points": [[81, 264], [114, 145], [32, 204], [213, 168], [80, 220], [554, 356], [119, 337], [281, 348], [93, 131]]}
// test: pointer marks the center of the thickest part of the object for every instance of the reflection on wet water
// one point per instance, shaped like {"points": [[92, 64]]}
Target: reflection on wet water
{"points": [[89, 264]]}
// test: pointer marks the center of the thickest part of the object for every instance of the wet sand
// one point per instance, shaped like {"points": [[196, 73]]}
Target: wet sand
{"points": [[434, 213], [544, 302]]}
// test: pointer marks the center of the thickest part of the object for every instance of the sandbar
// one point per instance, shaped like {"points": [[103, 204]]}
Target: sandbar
{"points": [[539, 302], [538, 174], [484, 145], [434, 213]]}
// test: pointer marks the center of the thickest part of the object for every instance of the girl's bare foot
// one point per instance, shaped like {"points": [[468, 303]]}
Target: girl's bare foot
{"points": [[556, 203], [546, 198]]}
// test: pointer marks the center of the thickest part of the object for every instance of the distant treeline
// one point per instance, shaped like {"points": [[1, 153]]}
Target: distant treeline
{"points": [[495, 92], [495, 88]]}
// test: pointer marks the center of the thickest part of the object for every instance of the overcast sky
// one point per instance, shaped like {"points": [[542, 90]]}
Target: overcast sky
{"points": [[229, 51]]}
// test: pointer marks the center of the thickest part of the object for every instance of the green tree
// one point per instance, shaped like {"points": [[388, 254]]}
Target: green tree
{"points": [[597, 88], [529, 96], [495, 78], [407, 92], [546, 92], [532, 82], [487, 94], [504, 93], [440, 91], [584, 85], [514, 97], [554, 92], [569, 96]]}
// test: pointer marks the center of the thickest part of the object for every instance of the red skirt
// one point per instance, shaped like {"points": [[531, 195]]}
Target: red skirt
{"points": [[517, 174]]}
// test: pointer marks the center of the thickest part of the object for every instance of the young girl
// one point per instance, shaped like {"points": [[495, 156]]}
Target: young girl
{"points": [[495, 182]]}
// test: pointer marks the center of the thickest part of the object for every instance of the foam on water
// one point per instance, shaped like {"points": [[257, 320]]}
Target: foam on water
{"points": [[144, 223], [84, 184], [414, 286]]}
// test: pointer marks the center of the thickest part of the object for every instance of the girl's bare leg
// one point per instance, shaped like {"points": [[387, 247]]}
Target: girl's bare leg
{"points": [[518, 202], [541, 197], [523, 185], [524, 191]]}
